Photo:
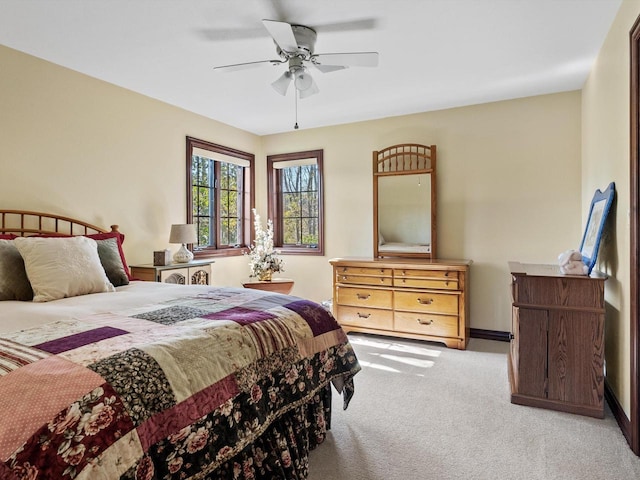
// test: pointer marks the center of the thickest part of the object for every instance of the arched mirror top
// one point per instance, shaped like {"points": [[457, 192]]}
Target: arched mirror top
{"points": [[405, 159], [404, 201]]}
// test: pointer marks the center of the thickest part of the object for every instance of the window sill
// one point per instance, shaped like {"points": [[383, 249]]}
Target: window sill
{"points": [[290, 250], [222, 252]]}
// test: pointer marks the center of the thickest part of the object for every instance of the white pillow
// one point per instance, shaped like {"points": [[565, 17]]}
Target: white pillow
{"points": [[380, 238], [62, 267]]}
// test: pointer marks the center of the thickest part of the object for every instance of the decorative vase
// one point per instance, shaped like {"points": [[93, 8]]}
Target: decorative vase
{"points": [[265, 276]]}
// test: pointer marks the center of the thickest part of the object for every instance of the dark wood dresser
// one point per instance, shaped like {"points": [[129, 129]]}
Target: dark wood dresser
{"points": [[556, 359]]}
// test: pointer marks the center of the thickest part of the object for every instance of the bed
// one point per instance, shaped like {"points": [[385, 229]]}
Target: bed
{"points": [[402, 247], [147, 380]]}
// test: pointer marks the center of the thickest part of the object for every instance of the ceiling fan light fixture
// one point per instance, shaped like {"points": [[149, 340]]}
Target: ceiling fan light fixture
{"points": [[312, 90], [303, 80], [281, 85]]}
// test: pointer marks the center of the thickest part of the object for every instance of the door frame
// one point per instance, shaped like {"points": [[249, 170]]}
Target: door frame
{"points": [[634, 200]]}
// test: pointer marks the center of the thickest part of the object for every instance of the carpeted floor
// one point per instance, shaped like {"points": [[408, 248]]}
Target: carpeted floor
{"points": [[422, 411]]}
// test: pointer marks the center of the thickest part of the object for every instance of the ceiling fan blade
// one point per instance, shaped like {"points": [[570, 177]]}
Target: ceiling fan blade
{"points": [[280, 10], [347, 26], [297, 12], [228, 34], [243, 66], [356, 59], [282, 34], [329, 68]]}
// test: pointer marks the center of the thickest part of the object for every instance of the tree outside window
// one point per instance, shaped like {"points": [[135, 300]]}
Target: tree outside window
{"points": [[296, 202], [219, 197]]}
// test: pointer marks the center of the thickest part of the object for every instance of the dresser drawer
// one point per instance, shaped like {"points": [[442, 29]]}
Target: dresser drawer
{"points": [[437, 279], [364, 280], [364, 297], [365, 317], [426, 302], [437, 274], [441, 325], [380, 272], [438, 284]]}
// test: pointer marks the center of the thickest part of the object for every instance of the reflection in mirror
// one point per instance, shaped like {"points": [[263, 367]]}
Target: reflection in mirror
{"points": [[404, 212]]}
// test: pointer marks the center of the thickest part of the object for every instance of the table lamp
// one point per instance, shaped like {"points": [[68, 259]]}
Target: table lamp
{"points": [[183, 233]]}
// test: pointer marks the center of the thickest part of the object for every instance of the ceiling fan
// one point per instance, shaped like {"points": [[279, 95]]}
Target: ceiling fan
{"points": [[295, 48]]}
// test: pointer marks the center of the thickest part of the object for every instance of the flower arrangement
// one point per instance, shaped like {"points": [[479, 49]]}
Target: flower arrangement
{"points": [[263, 259]]}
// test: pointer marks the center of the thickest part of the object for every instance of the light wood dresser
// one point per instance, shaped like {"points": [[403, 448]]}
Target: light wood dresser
{"points": [[411, 298], [556, 359]]}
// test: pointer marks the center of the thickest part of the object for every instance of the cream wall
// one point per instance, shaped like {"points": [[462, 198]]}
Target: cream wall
{"points": [[605, 158], [509, 185], [508, 189], [80, 147]]}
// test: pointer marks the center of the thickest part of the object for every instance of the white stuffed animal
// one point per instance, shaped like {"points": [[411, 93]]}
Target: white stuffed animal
{"points": [[571, 263]]}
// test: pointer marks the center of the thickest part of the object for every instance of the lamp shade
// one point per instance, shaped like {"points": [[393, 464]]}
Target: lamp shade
{"points": [[303, 79], [282, 83], [183, 233], [312, 90]]}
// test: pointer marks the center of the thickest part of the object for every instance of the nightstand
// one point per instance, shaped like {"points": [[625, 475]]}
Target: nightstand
{"points": [[196, 272], [278, 285]]}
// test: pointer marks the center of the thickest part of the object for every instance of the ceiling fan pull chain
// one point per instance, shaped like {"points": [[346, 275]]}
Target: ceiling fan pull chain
{"points": [[295, 94]]}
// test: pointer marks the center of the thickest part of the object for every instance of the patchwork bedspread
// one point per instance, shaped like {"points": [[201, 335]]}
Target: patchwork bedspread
{"points": [[171, 390]]}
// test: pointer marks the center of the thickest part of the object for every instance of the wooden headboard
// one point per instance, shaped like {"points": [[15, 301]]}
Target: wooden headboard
{"points": [[24, 223]]}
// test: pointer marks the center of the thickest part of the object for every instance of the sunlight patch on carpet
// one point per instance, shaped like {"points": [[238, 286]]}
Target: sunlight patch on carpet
{"points": [[394, 346], [415, 362], [377, 366]]}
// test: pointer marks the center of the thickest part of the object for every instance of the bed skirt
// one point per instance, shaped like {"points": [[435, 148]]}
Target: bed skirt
{"points": [[282, 451]]}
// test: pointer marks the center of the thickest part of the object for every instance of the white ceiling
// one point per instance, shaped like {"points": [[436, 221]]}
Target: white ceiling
{"points": [[434, 54]]}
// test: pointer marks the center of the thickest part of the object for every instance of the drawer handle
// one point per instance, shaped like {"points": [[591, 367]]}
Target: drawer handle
{"points": [[424, 322], [427, 301], [344, 278], [363, 297], [345, 269], [364, 315]]}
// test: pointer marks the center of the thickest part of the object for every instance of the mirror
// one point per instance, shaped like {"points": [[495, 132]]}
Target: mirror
{"points": [[404, 201]]}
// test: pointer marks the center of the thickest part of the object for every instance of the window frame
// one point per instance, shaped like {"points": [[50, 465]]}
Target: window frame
{"points": [[274, 198], [247, 198]]}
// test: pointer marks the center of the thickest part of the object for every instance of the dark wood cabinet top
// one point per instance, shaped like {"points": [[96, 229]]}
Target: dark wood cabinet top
{"points": [[544, 270]]}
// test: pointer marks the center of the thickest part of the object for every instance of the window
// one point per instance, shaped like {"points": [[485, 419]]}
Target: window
{"points": [[295, 201], [219, 197]]}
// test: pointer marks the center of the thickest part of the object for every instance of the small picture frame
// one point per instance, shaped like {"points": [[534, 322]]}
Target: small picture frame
{"points": [[598, 211]]}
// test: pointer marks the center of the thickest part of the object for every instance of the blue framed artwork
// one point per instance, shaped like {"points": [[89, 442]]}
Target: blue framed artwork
{"points": [[598, 211]]}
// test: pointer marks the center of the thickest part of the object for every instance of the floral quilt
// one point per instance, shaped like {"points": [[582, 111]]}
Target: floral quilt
{"points": [[197, 387]]}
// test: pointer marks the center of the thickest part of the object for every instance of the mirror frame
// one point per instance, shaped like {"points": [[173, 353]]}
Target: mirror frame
{"points": [[405, 159]]}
